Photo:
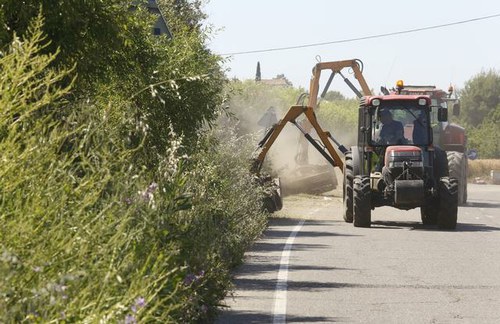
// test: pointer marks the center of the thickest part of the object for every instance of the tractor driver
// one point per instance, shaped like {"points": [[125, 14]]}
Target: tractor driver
{"points": [[392, 130]]}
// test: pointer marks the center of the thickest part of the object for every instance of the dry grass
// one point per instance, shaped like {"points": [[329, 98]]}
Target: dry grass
{"points": [[482, 168]]}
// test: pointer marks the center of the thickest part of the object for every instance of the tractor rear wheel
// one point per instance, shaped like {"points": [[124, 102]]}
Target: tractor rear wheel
{"points": [[448, 203], [362, 201], [457, 164], [347, 188]]}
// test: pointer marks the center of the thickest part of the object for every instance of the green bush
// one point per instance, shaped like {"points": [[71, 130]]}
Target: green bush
{"points": [[89, 230], [340, 117], [484, 139], [73, 236], [226, 216]]}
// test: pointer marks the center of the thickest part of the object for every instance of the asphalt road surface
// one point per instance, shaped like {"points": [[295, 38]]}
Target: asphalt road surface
{"points": [[312, 267]]}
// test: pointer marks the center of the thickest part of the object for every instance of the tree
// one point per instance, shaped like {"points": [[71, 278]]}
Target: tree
{"points": [[258, 76], [480, 96], [333, 95], [175, 83], [481, 112], [91, 33], [485, 140]]}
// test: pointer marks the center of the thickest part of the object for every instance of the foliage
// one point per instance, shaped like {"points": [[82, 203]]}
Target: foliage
{"points": [[183, 14], [184, 92], [88, 32], [225, 218], [481, 168], [340, 117], [480, 101], [485, 140], [74, 242], [178, 81], [91, 229], [334, 95], [480, 96]]}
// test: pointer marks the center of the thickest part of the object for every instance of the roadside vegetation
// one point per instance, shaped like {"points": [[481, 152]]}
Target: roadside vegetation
{"points": [[121, 199], [481, 113], [481, 169]]}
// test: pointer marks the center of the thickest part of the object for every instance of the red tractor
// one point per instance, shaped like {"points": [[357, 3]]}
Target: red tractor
{"points": [[448, 136], [396, 164]]}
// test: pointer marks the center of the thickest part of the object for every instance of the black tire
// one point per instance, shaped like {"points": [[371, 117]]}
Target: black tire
{"points": [[347, 188], [362, 211], [273, 201], [268, 204], [430, 212], [457, 165], [448, 203]]}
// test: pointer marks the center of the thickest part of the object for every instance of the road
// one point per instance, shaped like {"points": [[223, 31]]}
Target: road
{"points": [[312, 267]]}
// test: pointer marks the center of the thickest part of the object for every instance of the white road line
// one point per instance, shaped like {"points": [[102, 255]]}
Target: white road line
{"points": [[280, 298]]}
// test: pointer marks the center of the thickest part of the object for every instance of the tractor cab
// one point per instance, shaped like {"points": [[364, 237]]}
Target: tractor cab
{"points": [[397, 120], [392, 121]]}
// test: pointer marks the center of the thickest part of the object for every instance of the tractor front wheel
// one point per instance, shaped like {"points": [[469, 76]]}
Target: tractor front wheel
{"points": [[347, 188], [362, 201], [429, 212]]}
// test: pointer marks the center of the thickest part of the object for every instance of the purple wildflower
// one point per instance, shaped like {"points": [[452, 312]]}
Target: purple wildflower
{"points": [[190, 278], [130, 319], [152, 187], [139, 303], [147, 195]]}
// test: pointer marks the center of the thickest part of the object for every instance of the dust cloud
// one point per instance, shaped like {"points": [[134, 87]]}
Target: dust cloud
{"points": [[250, 110]]}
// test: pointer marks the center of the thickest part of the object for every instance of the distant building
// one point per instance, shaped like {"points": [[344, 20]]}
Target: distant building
{"points": [[161, 26], [279, 81]]}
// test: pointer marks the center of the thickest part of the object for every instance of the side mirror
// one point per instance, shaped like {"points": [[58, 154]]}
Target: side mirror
{"points": [[442, 114], [456, 109]]}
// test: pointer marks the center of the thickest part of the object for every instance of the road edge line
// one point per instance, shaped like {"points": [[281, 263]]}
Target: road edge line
{"points": [[280, 296]]}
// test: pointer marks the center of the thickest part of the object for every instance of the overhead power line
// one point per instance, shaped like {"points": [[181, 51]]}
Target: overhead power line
{"points": [[364, 37]]}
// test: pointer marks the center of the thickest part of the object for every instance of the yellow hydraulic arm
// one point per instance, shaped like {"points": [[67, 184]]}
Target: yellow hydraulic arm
{"points": [[336, 67], [294, 112]]}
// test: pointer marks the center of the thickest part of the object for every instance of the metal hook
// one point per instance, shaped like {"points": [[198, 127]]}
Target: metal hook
{"points": [[318, 58]]}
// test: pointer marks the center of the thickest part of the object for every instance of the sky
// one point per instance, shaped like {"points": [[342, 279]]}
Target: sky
{"points": [[444, 56]]}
